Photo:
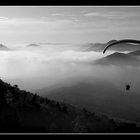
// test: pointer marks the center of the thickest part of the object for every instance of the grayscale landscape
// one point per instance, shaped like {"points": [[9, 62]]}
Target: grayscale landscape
{"points": [[69, 69]]}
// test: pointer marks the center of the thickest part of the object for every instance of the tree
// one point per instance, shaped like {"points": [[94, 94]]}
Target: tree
{"points": [[35, 100], [3, 102]]}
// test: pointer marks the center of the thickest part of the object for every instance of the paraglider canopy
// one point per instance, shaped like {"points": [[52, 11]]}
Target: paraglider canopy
{"points": [[131, 41]]}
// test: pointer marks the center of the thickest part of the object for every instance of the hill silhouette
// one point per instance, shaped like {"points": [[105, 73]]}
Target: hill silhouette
{"points": [[22, 111], [119, 59], [3, 47], [33, 45]]}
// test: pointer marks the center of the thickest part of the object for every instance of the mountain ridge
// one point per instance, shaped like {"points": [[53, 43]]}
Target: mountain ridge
{"points": [[22, 111], [119, 59]]}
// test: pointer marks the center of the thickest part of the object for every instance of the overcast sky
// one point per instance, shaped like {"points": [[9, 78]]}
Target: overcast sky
{"points": [[68, 24]]}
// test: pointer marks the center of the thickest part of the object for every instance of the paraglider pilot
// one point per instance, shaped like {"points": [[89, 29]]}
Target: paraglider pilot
{"points": [[127, 87]]}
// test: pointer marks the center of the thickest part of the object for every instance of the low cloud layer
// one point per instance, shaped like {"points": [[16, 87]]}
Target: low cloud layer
{"points": [[48, 65], [49, 61]]}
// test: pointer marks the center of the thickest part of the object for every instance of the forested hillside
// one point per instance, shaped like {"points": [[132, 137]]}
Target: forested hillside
{"points": [[22, 111]]}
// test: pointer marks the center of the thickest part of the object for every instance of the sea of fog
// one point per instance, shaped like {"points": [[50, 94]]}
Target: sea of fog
{"points": [[71, 73], [35, 67]]}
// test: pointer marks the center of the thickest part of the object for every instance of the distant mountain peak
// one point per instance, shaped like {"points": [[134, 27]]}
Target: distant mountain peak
{"points": [[33, 45], [118, 55], [119, 59], [3, 47]]}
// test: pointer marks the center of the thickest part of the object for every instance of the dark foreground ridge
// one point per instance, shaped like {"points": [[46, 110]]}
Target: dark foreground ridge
{"points": [[25, 112]]}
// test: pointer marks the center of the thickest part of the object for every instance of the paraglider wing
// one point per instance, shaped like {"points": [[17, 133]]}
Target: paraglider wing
{"points": [[121, 41]]}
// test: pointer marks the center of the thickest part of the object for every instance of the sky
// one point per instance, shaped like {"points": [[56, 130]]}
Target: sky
{"points": [[63, 24]]}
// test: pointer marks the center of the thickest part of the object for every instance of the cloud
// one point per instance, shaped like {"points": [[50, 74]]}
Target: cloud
{"points": [[72, 28], [111, 15], [50, 65], [32, 21], [34, 25], [57, 14], [28, 62]]}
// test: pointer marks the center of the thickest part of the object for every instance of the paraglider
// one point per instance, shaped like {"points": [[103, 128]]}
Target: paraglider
{"points": [[127, 41], [127, 87]]}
